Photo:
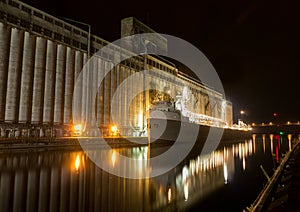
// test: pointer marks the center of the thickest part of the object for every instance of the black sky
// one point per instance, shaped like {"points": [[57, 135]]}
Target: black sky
{"points": [[253, 44]]}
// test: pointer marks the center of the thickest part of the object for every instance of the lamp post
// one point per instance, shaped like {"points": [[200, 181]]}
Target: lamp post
{"points": [[89, 32]]}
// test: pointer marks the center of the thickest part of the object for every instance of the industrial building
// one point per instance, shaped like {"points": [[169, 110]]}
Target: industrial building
{"points": [[42, 57]]}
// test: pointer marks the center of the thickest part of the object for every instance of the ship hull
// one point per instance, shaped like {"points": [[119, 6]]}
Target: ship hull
{"points": [[177, 130]]}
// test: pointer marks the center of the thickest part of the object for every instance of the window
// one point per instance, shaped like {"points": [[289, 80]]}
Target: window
{"points": [[14, 4], [76, 31], [57, 36], [58, 23], [68, 27], [2, 15], [26, 9], [36, 28], [12, 19], [84, 34], [75, 43], [37, 14], [47, 32], [67, 40], [25, 24], [83, 46], [50, 20]]}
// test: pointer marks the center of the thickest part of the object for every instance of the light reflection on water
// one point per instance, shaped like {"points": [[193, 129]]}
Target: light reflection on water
{"points": [[66, 180]]}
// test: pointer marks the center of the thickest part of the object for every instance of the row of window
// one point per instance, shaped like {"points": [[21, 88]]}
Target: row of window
{"points": [[48, 19], [41, 30], [28, 25], [67, 40]]}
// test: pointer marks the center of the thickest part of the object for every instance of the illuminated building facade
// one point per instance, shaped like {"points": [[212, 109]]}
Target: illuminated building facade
{"points": [[41, 58]]}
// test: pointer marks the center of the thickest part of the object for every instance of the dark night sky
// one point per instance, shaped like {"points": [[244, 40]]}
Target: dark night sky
{"points": [[253, 44]]}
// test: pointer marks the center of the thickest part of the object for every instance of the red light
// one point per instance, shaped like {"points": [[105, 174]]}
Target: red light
{"points": [[275, 114], [277, 154]]}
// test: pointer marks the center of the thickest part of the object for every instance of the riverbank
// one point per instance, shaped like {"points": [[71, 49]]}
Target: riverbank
{"points": [[24, 143], [282, 192], [229, 136], [287, 196]]}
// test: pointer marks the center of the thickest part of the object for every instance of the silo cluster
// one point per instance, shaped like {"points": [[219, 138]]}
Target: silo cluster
{"points": [[43, 59]]}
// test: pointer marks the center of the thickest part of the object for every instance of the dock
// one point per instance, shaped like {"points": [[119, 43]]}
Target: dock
{"points": [[282, 192]]}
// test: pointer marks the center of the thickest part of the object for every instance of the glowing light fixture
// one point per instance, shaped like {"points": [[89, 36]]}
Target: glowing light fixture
{"points": [[114, 130], [77, 127]]}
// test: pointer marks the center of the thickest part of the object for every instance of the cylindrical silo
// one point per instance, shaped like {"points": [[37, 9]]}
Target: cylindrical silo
{"points": [[130, 96], [84, 90], [77, 95], [123, 94], [49, 93], [100, 95], [78, 63], [112, 93], [27, 78], [116, 96], [93, 83], [107, 88], [4, 57], [120, 104], [59, 84], [130, 92], [88, 85], [69, 85], [38, 81], [14, 74]]}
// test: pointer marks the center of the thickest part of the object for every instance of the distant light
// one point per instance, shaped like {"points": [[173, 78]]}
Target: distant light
{"points": [[281, 133], [275, 114], [242, 112]]}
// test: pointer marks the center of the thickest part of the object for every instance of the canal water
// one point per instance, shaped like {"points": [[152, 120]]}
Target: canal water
{"points": [[64, 179]]}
